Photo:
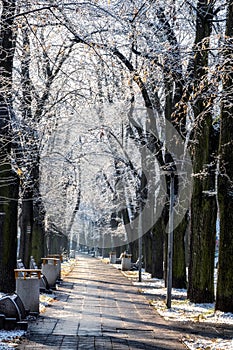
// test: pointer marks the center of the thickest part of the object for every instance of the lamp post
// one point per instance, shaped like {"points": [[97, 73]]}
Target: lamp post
{"points": [[140, 259]]}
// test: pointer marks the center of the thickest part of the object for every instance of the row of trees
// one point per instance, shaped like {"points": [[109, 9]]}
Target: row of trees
{"points": [[99, 102]]}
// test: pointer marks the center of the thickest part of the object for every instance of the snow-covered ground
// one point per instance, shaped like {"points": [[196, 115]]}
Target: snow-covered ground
{"points": [[9, 339], [182, 310]]}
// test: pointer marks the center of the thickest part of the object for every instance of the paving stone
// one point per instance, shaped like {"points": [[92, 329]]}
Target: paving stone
{"points": [[97, 308]]}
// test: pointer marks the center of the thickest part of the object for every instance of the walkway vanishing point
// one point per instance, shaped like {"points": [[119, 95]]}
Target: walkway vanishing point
{"points": [[99, 308]]}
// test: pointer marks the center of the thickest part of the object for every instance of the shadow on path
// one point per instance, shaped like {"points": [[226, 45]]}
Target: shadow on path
{"points": [[98, 308]]}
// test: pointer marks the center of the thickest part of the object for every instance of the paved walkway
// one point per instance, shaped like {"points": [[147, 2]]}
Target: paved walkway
{"points": [[98, 308]]}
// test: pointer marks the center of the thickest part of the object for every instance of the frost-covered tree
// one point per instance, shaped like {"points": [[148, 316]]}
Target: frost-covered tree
{"points": [[38, 62], [109, 96]]}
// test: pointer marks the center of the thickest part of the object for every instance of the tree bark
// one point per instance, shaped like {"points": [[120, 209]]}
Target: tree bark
{"points": [[26, 224], [179, 264], [9, 181], [38, 233], [148, 252], [203, 204], [8, 234], [224, 301], [157, 248]]}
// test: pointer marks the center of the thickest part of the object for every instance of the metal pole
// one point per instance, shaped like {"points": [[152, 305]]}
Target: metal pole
{"points": [[140, 259], [170, 242], [140, 245]]}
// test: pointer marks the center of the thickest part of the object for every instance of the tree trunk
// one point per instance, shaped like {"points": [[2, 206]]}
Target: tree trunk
{"points": [[38, 247], [8, 178], [8, 232], [203, 204], [157, 249], [147, 254], [133, 249], [26, 224], [38, 232], [224, 301], [179, 263], [203, 222]]}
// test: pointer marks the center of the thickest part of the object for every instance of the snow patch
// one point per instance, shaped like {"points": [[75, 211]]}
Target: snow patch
{"points": [[182, 310], [8, 339]]}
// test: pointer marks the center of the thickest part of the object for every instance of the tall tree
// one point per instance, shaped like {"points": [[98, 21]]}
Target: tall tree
{"points": [[34, 106], [8, 178], [224, 301], [203, 204], [26, 217]]}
